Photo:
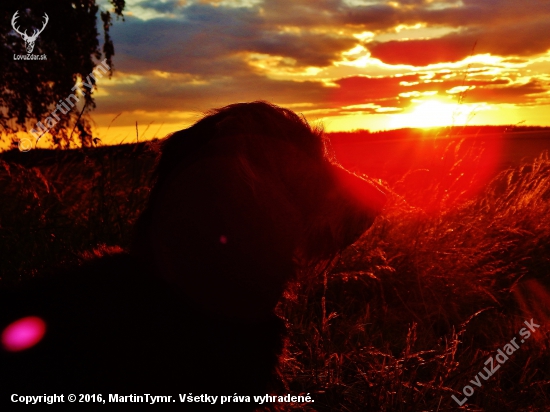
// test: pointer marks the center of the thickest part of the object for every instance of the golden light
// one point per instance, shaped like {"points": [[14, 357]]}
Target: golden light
{"points": [[434, 113]]}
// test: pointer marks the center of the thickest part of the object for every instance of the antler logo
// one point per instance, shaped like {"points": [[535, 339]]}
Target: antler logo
{"points": [[29, 40]]}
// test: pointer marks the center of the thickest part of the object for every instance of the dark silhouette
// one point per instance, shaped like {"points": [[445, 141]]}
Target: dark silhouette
{"points": [[243, 200]]}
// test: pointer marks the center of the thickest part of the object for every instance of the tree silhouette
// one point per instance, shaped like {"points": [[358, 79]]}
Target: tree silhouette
{"points": [[30, 90]]}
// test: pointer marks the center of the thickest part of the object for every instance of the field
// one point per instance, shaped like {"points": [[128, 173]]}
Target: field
{"points": [[403, 320]]}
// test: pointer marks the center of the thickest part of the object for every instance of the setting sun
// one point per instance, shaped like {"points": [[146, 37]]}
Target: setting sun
{"points": [[435, 113]]}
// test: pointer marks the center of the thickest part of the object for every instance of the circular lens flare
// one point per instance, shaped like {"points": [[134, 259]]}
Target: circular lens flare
{"points": [[23, 333]]}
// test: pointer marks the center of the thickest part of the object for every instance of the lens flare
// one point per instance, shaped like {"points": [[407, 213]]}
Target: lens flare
{"points": [[23, 333]]}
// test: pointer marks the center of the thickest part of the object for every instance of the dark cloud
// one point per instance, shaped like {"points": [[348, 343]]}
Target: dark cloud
{"points": [[422, 52], [308, 49], [169, 6], [303, 13], [204, 41], [153, 93], [499, 27], [520, 39], [363, 89], [385, 15], [208, 40], [524, 38], [525, 93], [376, 17]]}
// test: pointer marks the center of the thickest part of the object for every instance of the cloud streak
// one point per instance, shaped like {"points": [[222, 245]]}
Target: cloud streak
{"points": [[199, 54]]}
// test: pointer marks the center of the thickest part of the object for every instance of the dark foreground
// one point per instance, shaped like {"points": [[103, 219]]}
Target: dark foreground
{"points": [[409, 317]]}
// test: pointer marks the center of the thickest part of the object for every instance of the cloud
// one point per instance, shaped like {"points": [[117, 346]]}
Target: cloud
{"points": [[385, 15], [167, 6], [193, 55], [499, 27], [203, 41], [396, 91], [178, 93], [362, 89], [307, 49], [202, 38], [521, 39], [208, 40], [525, 93], [450, 48]]}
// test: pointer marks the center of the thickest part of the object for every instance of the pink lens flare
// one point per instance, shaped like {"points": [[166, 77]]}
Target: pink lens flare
{"points": [[23, 333]]}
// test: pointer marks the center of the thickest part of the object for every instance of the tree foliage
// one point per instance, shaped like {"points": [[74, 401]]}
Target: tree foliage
{"points": [[31, 89]]}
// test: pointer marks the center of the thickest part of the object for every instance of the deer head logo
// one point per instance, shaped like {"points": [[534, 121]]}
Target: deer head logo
{"points": [[29, 40]]}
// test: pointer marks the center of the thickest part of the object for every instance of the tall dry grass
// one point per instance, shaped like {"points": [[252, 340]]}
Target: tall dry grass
{"points": [[57, 204], [409, 314]]}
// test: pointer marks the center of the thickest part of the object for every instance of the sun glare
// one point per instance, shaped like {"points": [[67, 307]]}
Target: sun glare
{"points": [[434, 113]]}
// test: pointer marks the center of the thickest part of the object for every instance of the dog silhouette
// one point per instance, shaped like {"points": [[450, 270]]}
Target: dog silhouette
{"points": [[242, 201]]}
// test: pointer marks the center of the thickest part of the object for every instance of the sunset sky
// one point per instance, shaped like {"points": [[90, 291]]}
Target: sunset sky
{"points": [[351, 64]]}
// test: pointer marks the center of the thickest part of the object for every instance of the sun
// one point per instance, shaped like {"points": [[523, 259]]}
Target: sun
{"points": [[433, 113]]}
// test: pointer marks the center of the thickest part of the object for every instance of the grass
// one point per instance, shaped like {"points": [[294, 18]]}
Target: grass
{"points": [[58, 204], [401, 321]]}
